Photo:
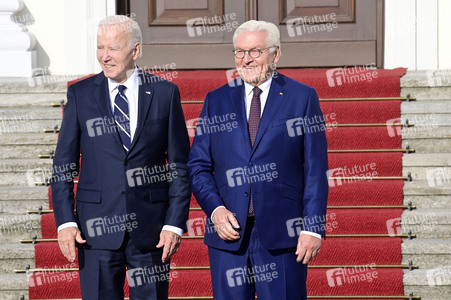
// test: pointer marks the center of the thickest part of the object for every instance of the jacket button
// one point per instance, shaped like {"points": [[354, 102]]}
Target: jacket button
{"points": [[123, 193], [246, 194], [127, 163]]}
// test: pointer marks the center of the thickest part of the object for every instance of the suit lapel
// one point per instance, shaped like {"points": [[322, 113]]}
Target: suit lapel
{"points": [[145, 96], [103, 100], [236, 96], [276, 95]]}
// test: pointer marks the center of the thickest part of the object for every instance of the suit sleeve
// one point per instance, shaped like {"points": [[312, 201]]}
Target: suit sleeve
{"points": [[315, 168], [66, 163], [201, 169], [177, 156]]}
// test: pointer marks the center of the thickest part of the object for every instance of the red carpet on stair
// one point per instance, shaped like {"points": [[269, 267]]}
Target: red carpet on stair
{"points": [[336, 112], [336, 251]]}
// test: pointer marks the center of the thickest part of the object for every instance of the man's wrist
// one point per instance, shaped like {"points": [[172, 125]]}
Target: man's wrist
{"points": [[67, 225], [212, 214], [173, 229], [311, 233]]}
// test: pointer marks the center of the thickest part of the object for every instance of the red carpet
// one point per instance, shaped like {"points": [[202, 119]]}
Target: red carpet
{"points": [[194, 85], [343, 112], [335, 251]]}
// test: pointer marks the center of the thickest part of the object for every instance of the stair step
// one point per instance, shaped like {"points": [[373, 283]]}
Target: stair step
{"points": [[427, 93], [426, 85], [24, 172], [12, 286], [27, 145], [17, 200], [427, 140], [20, 226], [29, 139], [435, 167], [24, 114], [427, 253], [426, 121], [420, 193], [31, 100], [45, 84], [425, 223], [29, 126], [429, 107], [429, 284], [15, 256]]}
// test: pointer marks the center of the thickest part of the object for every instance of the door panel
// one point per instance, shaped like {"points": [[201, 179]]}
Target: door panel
{"points": [[344, 9], [178, 12]]}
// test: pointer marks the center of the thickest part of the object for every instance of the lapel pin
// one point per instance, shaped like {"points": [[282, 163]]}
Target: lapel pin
{"points": [[281, 93], [147, 92]]}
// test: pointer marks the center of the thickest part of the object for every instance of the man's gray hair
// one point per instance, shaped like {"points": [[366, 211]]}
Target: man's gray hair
{"points": [[273, 37], [127, 24]]}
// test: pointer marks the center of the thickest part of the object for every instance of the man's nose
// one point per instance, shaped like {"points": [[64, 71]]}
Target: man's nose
{"points": [[247, 57], [105, 54]]}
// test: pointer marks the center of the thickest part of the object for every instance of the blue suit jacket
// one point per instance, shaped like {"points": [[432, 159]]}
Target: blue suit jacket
{"points": [[286, 168], [112, 195]]}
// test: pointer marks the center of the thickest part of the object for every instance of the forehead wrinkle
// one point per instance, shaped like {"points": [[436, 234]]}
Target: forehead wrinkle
{"points": [[114, 33], [256, 41]]}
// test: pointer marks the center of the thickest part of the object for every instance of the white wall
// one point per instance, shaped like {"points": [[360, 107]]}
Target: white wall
{"points": [[418, 34], [65, 31]]}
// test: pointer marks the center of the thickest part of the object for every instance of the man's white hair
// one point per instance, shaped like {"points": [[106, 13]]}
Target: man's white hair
{"points": [[273, 37], [127, 24]]}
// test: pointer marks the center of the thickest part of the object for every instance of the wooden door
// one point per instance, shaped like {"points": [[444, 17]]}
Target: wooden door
{"points": [[197, 34]]}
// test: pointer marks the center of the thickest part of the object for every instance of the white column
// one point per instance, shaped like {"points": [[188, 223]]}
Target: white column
{"points": [[17, 54], [400, 34]]}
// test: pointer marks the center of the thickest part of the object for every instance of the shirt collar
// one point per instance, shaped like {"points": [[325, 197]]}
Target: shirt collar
{"points": [[263, 86], [130, 84]]}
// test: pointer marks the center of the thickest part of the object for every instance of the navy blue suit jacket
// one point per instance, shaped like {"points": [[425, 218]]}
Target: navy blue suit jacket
{"points": [[286, 168], [112, 190]]}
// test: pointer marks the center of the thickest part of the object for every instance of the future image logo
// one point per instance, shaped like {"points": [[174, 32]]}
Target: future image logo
{"points": [[351, 275], [211, 24], [109, 225], [257, 273], [251, 174], [342, 76], [311, 24]]}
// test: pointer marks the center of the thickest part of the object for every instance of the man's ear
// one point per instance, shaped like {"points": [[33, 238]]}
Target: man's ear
{"points": [[276, 55], [136, 50]]}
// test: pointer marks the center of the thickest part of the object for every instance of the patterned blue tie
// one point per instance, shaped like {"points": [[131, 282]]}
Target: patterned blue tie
{"points": [[122, 117]]}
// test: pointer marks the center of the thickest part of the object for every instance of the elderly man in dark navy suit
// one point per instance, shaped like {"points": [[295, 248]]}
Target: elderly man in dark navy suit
{"points": [[133, 194]]}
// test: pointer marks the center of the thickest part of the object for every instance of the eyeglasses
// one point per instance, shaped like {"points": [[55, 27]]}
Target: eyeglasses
{"points": [[254, 53]]}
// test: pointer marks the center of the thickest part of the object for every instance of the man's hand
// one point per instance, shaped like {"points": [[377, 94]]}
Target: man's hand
{"points": [[224, 220], [66, 241], [171, 242], [308, 247]]}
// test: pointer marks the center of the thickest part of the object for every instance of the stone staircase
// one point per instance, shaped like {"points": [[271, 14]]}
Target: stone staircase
{"points": [[430, 188], [24, 112]]}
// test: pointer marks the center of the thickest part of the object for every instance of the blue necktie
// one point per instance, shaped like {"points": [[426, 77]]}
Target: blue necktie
{"points": [[122, 117]]}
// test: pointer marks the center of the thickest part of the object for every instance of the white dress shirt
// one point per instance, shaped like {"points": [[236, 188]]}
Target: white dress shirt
{"points": [[132, 95], [248, 92]]}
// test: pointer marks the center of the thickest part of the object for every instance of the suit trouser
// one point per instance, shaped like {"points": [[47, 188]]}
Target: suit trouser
{"points": [[102, 273], [273, 274]]}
